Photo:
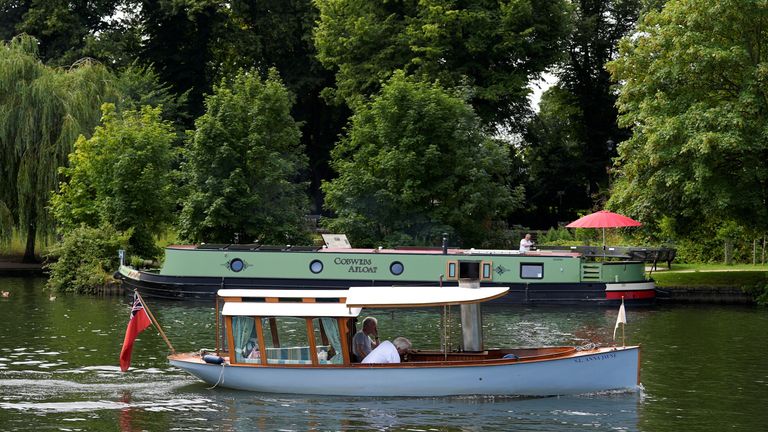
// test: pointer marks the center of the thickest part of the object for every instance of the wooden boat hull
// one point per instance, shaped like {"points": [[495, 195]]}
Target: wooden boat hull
{"points": [[591, 371]]}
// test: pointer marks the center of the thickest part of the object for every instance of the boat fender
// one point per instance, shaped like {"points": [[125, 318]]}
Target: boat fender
{"points": [[213, 359], [511, 356]]}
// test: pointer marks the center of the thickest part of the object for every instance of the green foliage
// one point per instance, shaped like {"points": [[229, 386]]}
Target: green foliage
{"points": [[556, 237], [140, 86], [553, 151], [415, 163], [693, 87], [42, 111], [494, 48], [567, 142], [63, 27], [85, 259], [758, 290], [121, 176], [243, 164]]}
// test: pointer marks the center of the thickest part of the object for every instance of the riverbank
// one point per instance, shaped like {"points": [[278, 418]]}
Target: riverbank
{"points": [[12, 266], [710, 283]]}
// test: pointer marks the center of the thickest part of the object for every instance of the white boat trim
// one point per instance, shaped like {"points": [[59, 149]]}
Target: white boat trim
{"points": [[336, 310], [403, 296], [634, 286]]}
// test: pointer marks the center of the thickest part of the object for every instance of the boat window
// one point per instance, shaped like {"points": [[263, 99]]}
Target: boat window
{"points": [[452, 270], [532, 271], [328, 341], [246, 345], [285, 340], [396, 268], [487, 270], [236, 265], [316, 266]]}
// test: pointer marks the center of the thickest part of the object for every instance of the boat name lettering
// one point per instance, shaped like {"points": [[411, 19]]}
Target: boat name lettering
{"points": [[353, 261], [357, 265], [595, 358]]}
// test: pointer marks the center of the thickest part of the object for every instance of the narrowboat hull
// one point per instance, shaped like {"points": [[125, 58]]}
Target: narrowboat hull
{"points": [[598, 370], [534, 278]]}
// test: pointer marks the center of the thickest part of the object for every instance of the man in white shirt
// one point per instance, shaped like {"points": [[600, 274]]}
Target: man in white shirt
{"points": [[526, 243], [361, 342], [389, 352]]}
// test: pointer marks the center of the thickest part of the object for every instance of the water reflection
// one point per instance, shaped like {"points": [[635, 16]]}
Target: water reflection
{"points": [[703, 368], [601, 412]]}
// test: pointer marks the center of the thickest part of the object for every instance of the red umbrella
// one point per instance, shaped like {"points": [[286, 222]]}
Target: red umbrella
{"points": [[603, 219]]}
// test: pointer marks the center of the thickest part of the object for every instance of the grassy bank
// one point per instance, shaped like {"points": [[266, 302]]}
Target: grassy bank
{"points": [[712, 275]]}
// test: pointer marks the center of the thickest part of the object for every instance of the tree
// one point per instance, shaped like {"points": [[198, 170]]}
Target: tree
{"points": [[415, 162], [121, 177], [243, 165], [694, 89], [552, 148], [493, 48], [64, 28], [278, 34], [572, 139], [42, 111]]}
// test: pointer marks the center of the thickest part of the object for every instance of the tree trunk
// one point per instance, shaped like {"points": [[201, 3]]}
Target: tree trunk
{"points": [[29, 251], [728, 248]]}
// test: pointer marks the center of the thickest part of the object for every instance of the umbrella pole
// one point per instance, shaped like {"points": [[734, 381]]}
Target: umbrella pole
{"points": [[603, 243]]}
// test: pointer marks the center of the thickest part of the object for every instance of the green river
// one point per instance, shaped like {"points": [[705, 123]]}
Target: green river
{"points": [[704, 368]]}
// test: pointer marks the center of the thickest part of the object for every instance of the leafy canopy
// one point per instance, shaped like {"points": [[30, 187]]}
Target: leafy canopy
{"points": [[694, 88], [494, 48], [415, 162], [243, 166], [121, 176]]}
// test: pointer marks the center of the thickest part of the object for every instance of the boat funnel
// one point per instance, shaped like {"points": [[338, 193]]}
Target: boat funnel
{"points": [[471, 316]]}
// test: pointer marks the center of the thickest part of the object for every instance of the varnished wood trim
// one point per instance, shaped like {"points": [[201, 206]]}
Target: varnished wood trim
{"points": [[260, 337], [230, 339], [273, 332], [343, 324], [312, 344]]}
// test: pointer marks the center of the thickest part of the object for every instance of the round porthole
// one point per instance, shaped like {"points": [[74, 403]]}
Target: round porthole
{"points": [[236, 265], [396, 268], [316, 266]]}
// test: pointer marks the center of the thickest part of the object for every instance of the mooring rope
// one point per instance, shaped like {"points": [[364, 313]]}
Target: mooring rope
{"points": [[221, 375], [587, 347]]}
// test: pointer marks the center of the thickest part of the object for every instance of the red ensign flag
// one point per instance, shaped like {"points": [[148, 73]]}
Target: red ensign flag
{"points": [[139, 322]]}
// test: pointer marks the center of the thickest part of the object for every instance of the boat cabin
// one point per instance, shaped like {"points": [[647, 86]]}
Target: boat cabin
{"points": [[315, 327]]}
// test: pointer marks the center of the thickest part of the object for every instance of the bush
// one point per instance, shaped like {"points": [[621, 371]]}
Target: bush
{"points": [[85, 259]]}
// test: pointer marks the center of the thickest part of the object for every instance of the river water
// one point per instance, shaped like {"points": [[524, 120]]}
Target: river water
{"points": [[704, 368]]}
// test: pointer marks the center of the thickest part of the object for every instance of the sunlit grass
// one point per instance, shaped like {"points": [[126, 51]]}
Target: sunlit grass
{"points": [[13, 248], [711, 275]]}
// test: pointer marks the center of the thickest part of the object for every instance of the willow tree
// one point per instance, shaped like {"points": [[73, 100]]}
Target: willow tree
{"points": [[42, 111]]}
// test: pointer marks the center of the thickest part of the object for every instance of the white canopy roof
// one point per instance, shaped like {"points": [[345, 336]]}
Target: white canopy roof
{"points": [[416, 296], [356, 299], [289, 309]]}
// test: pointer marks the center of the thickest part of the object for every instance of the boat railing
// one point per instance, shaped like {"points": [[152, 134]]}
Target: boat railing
{"points": [[622, 253]]}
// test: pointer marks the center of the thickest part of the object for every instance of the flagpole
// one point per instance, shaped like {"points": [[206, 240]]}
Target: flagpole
{"points": [[154, 321]]}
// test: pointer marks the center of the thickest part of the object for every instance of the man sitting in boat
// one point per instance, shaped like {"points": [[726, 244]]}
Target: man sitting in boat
{"points": [[361, 342], [389, 352]]}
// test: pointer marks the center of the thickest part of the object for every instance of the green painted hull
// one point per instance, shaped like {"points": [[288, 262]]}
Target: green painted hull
{"points": [[538, 277]]}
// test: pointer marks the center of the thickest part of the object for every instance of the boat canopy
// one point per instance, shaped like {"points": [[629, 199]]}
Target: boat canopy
{"points": [[408, 296], [348, 303], [290, 309]]}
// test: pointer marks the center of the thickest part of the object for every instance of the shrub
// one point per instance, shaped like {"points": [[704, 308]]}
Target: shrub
{"points": [[85, 259]]}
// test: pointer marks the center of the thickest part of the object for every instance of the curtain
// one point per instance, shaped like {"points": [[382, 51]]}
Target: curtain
{"points": [[244, 331], [331, 326]]}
